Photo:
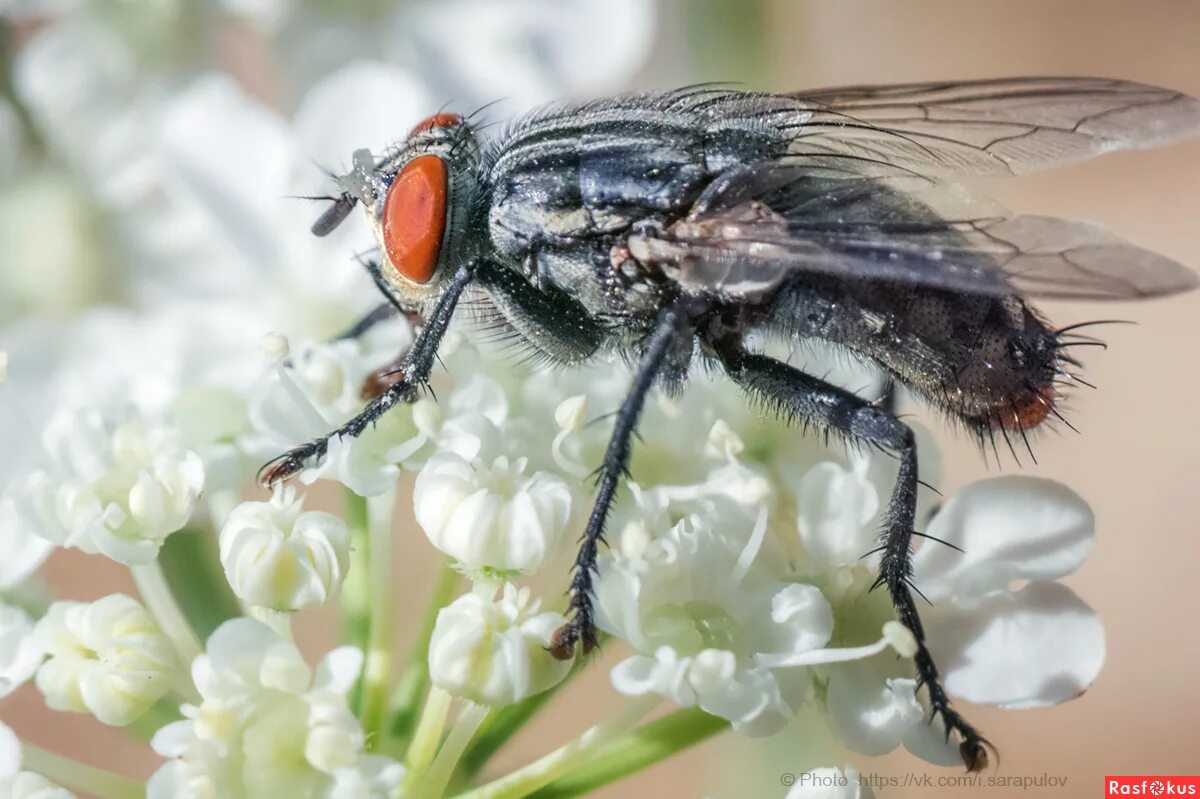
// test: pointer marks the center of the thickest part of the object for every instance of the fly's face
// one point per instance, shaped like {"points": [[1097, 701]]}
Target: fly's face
{"points": [[418, 200]]}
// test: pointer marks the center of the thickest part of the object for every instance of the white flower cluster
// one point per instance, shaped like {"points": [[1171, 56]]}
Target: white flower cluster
{"points": [[115, 483], [267, 725]]}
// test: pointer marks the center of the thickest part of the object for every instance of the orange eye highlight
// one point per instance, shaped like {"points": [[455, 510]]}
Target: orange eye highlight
{"points": [[414, 218], [443, 120]]}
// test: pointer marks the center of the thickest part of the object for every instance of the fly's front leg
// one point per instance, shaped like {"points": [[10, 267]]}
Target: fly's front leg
{"points": [[798, 395], [413, 373], [380, 313], [674, 325]]}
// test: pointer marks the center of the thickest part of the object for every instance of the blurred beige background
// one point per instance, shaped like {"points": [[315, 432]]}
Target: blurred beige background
{"points": [[1137, 462]]}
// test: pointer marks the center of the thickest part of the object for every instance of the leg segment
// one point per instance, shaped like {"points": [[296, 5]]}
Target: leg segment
{"points": [[799, 396], [414, 372], [673, 324], [381, 312]]}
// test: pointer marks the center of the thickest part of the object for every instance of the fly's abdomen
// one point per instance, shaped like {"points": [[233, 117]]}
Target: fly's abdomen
{"points": [[991, 362]]}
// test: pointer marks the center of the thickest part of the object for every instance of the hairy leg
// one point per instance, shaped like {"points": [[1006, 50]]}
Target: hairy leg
{"points": [[673, 326], [413, 373], [797, 395]]}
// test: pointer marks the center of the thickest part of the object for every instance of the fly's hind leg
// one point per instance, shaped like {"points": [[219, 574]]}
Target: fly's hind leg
{"points": [[797, 395]]}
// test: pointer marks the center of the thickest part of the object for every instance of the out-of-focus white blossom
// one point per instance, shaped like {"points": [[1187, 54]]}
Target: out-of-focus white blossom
{"points": [[23, 551], [492, 516], [268, 725], [495, 652], [20, 654], [10, 751], [107, 658], [17, 784], [28, 785], [114, 483], [277, 555]]}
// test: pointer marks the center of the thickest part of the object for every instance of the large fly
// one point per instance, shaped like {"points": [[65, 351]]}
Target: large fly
{"points": [[674, 227]]}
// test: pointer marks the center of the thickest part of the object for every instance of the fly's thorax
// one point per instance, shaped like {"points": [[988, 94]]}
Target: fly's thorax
{"points": [[420, 199]]}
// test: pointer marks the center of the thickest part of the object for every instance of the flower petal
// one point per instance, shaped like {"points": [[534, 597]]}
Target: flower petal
{"points": [[870, 713], [1010, 528], [1039, 646]]}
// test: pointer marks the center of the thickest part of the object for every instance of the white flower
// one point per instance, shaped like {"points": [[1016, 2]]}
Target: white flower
{"points": [[320, 386], [10, 751], [492, 516], [268, 725], [107, 658], [1030, 646], [278, 556], [709, 623], [495, 652], [116, 484], [830, 783], [23, 551], [28, 785], [20, 654]]}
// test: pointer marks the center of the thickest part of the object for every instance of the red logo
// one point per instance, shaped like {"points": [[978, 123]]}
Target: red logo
{"points": [[1125, 785]]}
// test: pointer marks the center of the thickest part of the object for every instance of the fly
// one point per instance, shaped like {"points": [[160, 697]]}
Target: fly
{"points": [[676, 227]]}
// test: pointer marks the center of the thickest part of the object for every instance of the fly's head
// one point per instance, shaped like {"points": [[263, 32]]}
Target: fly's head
{"points": [[419, 201]]}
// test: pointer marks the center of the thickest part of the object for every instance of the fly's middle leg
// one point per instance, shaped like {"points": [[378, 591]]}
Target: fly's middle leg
{"points": [[798, 395], [673, 326]]}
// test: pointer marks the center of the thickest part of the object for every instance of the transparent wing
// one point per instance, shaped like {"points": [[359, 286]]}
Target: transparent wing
{"points": [[988, 127], [753, 226]]}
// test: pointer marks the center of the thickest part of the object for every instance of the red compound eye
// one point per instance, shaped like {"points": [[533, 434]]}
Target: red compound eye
{"points": [[444, 120], [414, 217]]}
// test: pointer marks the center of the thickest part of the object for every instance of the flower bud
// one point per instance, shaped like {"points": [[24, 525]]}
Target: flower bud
{"points": [[107, 658], [491, 516], [495, 653], [277, 556]]}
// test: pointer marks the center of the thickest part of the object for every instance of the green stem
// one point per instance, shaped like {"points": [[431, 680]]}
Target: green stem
{"points": [[649, 744], [152, 585], [406, 701], [381, 635], [356, 590], [192, 565], [428, 735], [79, 776], [505, 723], [524, 781], [434, 782]]}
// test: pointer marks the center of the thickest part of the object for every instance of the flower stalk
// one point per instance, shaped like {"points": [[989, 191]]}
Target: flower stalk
{"points": [[645, 746], [80, 776], [411, 690], [160, 601], [550, 767], [381, 608]]}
